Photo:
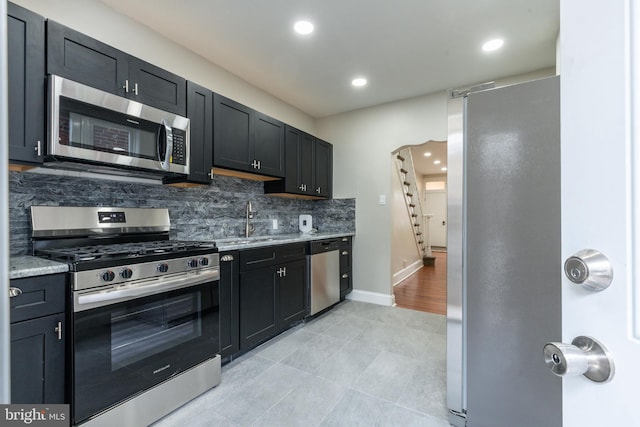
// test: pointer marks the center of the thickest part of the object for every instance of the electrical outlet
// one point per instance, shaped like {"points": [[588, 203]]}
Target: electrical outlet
{"points": [[274, 224]]}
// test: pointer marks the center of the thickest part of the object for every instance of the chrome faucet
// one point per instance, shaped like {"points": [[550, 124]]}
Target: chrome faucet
{"points": [[249, 227]]}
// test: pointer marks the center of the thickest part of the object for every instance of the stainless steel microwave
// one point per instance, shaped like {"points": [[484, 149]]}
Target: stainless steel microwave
{"points": [[90, 126]]}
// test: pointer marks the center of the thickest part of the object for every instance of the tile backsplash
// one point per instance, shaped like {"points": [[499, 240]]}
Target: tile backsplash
{"points": [[196, 213]]}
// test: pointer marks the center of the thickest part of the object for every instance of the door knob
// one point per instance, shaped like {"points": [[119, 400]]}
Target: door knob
{"points": [[584, 356], [590, 269]]}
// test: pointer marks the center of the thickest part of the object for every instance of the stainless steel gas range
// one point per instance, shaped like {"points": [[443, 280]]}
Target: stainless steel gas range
{"points": [[144, 311]]}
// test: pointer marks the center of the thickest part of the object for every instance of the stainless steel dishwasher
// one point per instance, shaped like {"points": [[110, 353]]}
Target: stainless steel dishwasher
{"points": [[324, 269]]}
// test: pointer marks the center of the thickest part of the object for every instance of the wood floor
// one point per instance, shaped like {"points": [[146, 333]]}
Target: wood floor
{"points": [[426, 289]]}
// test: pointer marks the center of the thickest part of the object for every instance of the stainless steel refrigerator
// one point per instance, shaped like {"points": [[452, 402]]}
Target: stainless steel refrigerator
{"points": [[504, 265]]}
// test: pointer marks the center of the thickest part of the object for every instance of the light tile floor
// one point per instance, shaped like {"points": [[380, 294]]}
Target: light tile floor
{"points": [[357, 365]]}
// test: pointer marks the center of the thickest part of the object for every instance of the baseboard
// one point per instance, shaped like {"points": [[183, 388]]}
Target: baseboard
{"points": [[406, 272], [372, 297]]}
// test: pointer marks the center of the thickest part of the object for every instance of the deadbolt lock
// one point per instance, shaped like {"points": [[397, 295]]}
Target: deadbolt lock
{"points": [[590, 269]]}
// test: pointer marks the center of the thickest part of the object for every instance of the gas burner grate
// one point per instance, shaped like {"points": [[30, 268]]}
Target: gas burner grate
{"points": [[122, 250]]}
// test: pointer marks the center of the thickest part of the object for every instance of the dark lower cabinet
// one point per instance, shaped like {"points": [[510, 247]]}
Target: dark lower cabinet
{"points": [[229, 303], [37, 360], [38, 339], [273, 291], [346, 276], [257, 306], [26, 84], [292, 294]]}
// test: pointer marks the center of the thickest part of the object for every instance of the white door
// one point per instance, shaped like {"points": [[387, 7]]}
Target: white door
{"points": [[436, 205], [601, 198]]}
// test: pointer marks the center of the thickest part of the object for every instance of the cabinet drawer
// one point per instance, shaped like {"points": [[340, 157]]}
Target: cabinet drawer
{"points": [[256, 258], [291, 252], [39, 296]]}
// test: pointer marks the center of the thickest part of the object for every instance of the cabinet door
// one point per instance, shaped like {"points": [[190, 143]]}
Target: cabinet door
{"points": [[229, 304], [257, 306], [292, 293], [37, 360], [299, 162], [268, 145], [200, 114], [156, 87], [85, 60], [232, 134], [27, 94], [346, 279], [39, 296], [323, 159]]}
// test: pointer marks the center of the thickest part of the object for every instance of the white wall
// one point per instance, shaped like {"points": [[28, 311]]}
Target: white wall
{"points": [[97, 20], [363, 141]]}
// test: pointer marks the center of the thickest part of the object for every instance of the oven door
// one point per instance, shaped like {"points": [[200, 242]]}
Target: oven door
{"points": [[124, 348]]}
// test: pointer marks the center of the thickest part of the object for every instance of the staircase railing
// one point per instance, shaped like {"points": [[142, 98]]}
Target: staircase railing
{"points": [[407, 177]]}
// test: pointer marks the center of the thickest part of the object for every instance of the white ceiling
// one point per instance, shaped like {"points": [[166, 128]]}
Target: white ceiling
{"points": [[405, 48], [425, 165]]}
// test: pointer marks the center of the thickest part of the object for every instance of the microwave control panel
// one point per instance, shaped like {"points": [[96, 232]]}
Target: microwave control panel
{"points": [[179, 147]]}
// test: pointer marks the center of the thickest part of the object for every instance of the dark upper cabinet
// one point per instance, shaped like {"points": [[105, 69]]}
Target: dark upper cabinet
{"points": [[323, 173], [245, 140], [232, 134], [268, 144], [229, 304], [38, 340], [308, 165], [81, 58], [200, 115], [26, 84]]}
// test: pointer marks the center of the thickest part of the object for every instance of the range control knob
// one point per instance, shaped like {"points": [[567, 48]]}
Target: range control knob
{"points": [[108, 276], [204, 261], [126, 273], [163, 268], [193, 263]]}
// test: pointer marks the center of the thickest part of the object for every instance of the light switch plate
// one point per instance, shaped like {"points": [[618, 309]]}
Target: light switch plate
{"points": [[274, 224], [382, 199]]}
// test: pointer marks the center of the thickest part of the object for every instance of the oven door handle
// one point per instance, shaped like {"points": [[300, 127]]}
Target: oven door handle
{"points": [[142, 288]]}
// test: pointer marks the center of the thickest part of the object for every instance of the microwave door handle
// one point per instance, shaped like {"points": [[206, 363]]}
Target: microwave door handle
{"points": [[165, 140]]}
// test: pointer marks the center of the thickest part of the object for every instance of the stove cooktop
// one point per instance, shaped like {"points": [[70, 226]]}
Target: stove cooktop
{"points": [[119, 253]]}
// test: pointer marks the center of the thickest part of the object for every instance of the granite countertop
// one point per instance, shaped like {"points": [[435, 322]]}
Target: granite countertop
{"points": [[235, 243], [29, 266]]}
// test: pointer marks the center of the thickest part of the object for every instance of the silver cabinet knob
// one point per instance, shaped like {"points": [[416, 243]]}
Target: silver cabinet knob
{"points": [[590, 269], [584, 356]]}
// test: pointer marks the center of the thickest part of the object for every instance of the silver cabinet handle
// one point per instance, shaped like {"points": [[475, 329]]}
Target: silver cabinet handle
{"points": [[345, 276], [584, 356], [38, 148], [14, 292], [345, 252], [126, 86], [226, 258], [135, 89], [58, 330], [318, 190]]}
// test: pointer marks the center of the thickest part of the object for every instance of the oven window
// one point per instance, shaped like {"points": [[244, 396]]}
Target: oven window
{"points": [[86, 126], [139, 332]]}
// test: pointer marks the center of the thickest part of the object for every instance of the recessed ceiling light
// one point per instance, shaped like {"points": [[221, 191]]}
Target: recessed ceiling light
{"points": [[492, 45], [443, 169], [303, 27], [427, 154], [436, 162], [359, 82]]}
